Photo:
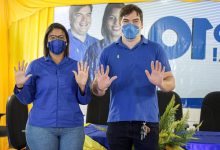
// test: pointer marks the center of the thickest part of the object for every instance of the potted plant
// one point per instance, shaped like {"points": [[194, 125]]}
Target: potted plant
{"points": [[173, 134]]}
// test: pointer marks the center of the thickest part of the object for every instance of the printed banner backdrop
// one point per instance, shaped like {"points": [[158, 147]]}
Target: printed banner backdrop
{"points": [[189, 33]]}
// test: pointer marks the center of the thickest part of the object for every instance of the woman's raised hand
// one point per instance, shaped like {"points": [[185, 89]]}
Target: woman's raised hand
{"points": [[82, 74], [20, 77]]}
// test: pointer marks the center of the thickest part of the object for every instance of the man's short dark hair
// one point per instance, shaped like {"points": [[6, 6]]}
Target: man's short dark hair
{"points": [[75, 8], [127, 9]]}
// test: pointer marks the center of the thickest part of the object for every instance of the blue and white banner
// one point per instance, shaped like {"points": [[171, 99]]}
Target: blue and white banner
{"points": [[189, 33]]}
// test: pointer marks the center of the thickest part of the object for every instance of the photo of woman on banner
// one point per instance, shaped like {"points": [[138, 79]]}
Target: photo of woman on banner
{"points": [[80, 22], [111, 31]]}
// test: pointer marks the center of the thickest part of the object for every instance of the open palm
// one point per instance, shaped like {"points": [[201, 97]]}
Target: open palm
{"points": [[157, 73], [104, 81], [81, 75], [20, 77]]}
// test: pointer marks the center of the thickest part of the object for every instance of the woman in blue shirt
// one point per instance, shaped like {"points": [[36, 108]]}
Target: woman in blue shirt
{"points": [[56, 85]]}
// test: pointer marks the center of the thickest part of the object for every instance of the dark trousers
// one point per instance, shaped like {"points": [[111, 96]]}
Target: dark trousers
{"points": [[123, 135]]}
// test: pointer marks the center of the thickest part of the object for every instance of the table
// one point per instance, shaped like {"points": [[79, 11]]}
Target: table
{"points": [[206, 141]]}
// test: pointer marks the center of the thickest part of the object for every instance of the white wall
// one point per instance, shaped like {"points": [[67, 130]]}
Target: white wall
{"points": [[194, 115]]}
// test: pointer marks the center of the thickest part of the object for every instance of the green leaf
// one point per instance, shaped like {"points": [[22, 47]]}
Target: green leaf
{"points": [[174, 133]]}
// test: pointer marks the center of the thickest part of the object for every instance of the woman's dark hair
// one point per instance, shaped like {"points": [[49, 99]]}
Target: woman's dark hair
{"points": [[108, 11], [49, 30]]}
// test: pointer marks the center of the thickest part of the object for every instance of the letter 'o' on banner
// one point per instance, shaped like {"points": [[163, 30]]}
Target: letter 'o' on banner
{"points": [[179, 27]]}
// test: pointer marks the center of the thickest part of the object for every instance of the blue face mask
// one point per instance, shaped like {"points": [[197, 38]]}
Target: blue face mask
{"points": [[130, 31], [57, 46]]}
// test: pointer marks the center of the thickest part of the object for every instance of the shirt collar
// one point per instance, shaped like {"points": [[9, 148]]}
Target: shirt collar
{"points": [[71, 36], [106, 41], [48, 58], [143, 41]]}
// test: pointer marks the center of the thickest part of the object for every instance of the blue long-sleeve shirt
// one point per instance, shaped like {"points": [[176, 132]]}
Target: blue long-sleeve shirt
{"points": [[54, 92]]}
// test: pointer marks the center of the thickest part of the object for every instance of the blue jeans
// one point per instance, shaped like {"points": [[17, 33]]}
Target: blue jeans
{"points": [[40, 138], [122, 135]]}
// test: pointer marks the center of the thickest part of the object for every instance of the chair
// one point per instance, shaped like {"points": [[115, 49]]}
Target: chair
{"points": [[210, 111], [16, 118], [164, 99], [3, 129], [97, 110]]}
